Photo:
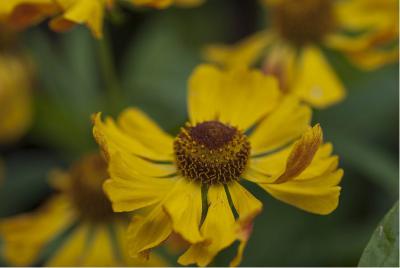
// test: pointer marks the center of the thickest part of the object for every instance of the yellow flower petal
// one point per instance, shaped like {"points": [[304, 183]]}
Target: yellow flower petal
{"points": [[23, 13], [112, 139], [72, 252], [24, 236], [121, 233], [218, 229], [251, 95], [153, 3], [100, 250], [283, 125], [248, 207], [130, 191], [89, 12], [184, 206], [140, 127], [320, 90], [148, 231], [245, 53], [318, 195], [302, 154]]}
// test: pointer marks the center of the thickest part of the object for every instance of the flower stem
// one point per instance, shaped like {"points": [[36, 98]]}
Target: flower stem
{"points": [[109, 74]]}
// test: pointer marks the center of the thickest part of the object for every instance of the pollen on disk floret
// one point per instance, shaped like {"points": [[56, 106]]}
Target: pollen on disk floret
{"points": [[211, 152]]}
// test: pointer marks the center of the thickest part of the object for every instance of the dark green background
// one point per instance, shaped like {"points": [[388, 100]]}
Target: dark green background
{"points": [[155, 52]]}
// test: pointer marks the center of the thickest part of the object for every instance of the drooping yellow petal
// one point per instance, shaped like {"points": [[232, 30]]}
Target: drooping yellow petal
{"points": [[23, 13], [121, 236], [184, 206], [72, 251], [282, 126], [248, 207], [274, 164], [218, 229], [245, 53], [319, 195], [100, 250], [302, 154], [251, 95], [148, 231], [315, 81], [89, 12], [140, 127], [112, 139], [24, 236], [130, 191]]}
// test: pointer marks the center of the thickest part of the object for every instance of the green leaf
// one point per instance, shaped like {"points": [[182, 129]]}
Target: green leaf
{"points": [[383, 247]]}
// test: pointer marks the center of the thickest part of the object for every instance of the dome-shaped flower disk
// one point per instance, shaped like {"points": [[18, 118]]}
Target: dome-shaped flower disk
{"points": [[240, 128], [80, 212], [291, 47], [65, 14]]}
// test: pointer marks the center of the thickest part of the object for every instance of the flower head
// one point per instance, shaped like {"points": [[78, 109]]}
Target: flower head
{"points": [[94, 235], [240, 128], [290, 48], [65, 14]]}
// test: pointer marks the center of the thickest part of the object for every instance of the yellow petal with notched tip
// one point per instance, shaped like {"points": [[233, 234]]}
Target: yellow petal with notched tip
{"points": [[239, 97], [218, 229]]}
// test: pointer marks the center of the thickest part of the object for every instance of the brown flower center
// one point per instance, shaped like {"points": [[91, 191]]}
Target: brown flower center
{"points": [[211, 153], [87, 178], [303, 21]]}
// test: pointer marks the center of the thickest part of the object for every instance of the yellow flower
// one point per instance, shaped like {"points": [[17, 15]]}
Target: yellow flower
{"points": [[15, 96], [291, 50], [93, 234], [166, 3], [65, 14], [378, 23], [239, 129]]}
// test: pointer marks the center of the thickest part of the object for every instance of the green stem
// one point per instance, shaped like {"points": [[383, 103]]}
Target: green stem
{"points": [[108, 70]]}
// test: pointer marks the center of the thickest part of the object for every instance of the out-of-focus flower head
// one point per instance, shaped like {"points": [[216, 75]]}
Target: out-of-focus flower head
{"points": [[240, 128], [79, 213], [291, 47], [16, 71], [65, 14], [166, 3]]}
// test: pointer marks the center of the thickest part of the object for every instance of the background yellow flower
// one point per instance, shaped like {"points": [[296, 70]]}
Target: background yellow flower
{"points": [[79, 217]]}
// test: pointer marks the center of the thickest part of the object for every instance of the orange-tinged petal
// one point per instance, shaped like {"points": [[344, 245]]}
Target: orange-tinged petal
{"points": [[248, 207], [302, 154], [89, 12]]}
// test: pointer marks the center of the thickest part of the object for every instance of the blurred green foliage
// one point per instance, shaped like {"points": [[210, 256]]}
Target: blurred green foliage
{"points": [[155, 53], [383, 248]]}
